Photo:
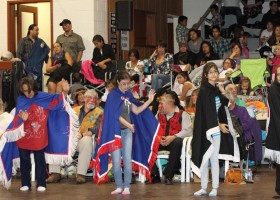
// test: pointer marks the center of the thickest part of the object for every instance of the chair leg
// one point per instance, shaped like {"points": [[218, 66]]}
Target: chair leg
{"points": [[159, 167]]}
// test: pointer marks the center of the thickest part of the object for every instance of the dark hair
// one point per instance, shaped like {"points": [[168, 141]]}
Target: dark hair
{"points": [[209, 45], [206, 70], [272, 2], [31, 27], [108, 82], [215, 7], [135, 52], [272, 40], [205, 59], [244, 79], [31, 84], [121, 75], [233, 44], [185, 75], [77, 92], [216, 27], [232, 62], [182, 18], [192, 30], [98, 38], [161, 43], [77, 77], [155, 102], [58, 43], [238, 32]]}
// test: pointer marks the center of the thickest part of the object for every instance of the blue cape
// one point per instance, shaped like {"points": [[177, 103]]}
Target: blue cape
{"points": [[146, 137]]}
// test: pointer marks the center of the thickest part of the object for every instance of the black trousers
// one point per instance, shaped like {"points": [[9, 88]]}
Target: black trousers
{"points": [[25, 167], [174, 163]]}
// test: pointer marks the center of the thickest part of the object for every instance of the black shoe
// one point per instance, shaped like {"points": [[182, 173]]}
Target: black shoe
{"points": [[168, 181], [276, 196], [155, 179]]}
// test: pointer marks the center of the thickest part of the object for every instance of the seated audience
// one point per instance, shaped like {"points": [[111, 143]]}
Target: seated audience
{"points": [[134, 65], [190, 106], [275, 61], [220, 45], [272, 15], [266, 34], [244, 87], [228, 68], [233, 90], [77, 80], [177, 125], [103, 55], [59, 67], [266, 51], [194, 41], [251, 8], [183, 87], [109, 85], [184, 57], [240, 37], [161, 64], [206, 50], [79, 97], [89, 119], [236, 53], [216, 20]]}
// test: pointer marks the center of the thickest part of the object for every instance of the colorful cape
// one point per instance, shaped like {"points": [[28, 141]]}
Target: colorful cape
{"points": [[62, 129], [146, 137]]}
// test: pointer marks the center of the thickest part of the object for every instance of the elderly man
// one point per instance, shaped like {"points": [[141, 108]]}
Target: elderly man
{"points": [[72, 43], [89, 118], [251, 127], [177, 125]]}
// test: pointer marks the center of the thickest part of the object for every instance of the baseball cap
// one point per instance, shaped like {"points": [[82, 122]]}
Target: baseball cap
{"points": [[65, 21]]}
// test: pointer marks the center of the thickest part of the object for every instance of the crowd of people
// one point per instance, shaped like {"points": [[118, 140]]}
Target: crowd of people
{"points": [[188, 95]]}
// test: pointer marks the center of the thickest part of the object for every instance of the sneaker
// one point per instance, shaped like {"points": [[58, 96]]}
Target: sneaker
{"points": [[213, 193], [200, 192], [54, 178], [126, 191], [24, 188], [81, 179], [41, 189], [117, 191]]}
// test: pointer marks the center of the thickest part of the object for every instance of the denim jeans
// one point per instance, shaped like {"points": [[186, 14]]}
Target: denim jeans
{"points": [[125, 152], [159, 80]]}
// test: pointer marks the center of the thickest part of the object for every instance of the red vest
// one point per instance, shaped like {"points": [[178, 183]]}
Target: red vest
{"points": [[171, 126]]}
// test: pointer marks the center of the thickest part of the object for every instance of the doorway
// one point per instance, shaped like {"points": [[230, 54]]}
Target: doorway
{"points": [[22, 13]]}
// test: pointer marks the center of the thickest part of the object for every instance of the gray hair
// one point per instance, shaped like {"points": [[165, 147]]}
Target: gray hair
{"points": [[7, 55], [91, 93]]}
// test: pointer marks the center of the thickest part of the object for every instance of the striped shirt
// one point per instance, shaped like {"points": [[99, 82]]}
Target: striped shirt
{"points": [[218, 104], [25, 46]]}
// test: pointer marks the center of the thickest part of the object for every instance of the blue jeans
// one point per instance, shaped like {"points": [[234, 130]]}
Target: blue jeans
{"points": [[125, 152], [159, 80]]}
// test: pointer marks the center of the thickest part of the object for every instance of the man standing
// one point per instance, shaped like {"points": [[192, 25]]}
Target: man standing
{"points": [[219, 44], [72, 43], [33, 51], [177, 125]]}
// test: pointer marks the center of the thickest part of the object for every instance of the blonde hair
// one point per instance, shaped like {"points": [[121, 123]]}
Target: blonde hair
{"points": [[167, 98]]}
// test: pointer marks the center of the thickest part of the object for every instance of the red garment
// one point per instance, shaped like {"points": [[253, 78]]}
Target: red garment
{"points": [[174, 123], [35, 128], [275, 62]]}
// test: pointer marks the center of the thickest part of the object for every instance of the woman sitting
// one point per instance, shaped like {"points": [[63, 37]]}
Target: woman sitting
{"points": [[206, 50], [183, 87], [161, 63], [103, 55], [228, 68], [59, 67]]}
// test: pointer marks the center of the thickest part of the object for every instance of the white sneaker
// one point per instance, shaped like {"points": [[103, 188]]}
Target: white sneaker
{"points": [[24, 188], [200, 192], [213, 193], [41, 189]]}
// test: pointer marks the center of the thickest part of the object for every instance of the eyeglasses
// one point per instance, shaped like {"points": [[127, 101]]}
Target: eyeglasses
{"points": [[213, 72]]}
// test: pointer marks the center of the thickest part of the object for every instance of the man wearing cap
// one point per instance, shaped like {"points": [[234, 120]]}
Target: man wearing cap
{"points": [[72, 43]]}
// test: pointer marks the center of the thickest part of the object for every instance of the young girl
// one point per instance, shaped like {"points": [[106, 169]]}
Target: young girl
{"points": [[244, 87], [208, 126], [275, 61], [190, 106], [120, 125], [184, 87]]}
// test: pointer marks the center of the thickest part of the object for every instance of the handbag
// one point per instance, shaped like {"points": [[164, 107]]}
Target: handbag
{"points": [[234, 176]]}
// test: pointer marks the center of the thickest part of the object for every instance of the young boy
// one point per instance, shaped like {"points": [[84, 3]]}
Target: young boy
{"points": [[182, 30], [216, 20]]}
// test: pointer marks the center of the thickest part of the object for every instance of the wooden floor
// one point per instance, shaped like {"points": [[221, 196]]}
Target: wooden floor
{"points": [[263, 188]]}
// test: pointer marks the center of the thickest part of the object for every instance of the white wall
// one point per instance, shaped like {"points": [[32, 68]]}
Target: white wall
{"points": [[88, 17]]}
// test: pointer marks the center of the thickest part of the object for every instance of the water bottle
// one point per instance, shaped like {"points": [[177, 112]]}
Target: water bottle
{"points": [[250, 175]]}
